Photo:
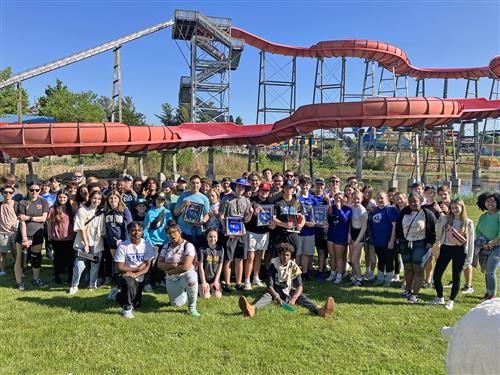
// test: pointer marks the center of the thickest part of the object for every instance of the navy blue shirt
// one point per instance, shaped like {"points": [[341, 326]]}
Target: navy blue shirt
{"points": [[381, 225], [339, 222]]}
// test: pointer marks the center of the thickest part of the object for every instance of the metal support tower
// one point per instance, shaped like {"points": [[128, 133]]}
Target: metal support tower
{"points": [[494, 95], [116, 97], [276, 91], [19, 102]]}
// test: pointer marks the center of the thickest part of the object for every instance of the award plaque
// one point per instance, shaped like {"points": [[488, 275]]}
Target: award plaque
{"points": [[319, 215], [265, 217], [234, 226], [192, 213], [295, 219]]}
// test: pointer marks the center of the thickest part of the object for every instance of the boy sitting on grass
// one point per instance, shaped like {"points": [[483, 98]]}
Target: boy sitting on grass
{"points": [[285, 286]]}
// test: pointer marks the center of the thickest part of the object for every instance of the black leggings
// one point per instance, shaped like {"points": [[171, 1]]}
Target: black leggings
{"points": [[385, 258], [64, 258], [447, 254]]}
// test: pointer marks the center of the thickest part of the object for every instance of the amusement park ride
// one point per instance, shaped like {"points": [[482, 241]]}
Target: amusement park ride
{"points": [[216, 48]]}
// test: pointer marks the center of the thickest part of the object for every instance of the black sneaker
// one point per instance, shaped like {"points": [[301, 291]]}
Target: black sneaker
{"points": [[227, 288], [20, 286], [239, 287], [38, 283]]}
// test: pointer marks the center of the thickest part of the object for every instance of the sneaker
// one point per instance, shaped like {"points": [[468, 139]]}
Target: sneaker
{"points": [[148, 288], [467, 289], [333, 276], [20, 286], [227, 288], [449, 305], [306, 276], [163, 284], [258, 283], [406, 293], [128, 313], [338, 279], [112, 294], [194, 313], [3, 273], [449, 285], [108, 280], [413, 298], [248, 285], [369, 276], [327, 309], [239, 287], [488, 297], [320, 276], [38, 283], [396, 278], [92, 287], [437, 301], [247, 308], [73, 290], [100, 281]]}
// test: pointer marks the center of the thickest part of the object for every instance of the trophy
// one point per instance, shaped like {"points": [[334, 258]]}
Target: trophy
{"points": [[265, 216]]}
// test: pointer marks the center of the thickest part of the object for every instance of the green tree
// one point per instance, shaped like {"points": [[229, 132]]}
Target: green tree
{"points": [[130, 116], [238, 121], [167, 117], [183, 114], [9, 95], [68, 106], [105, 104]]}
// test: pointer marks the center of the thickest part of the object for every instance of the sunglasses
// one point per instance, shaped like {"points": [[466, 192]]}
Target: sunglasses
{"points": [[34, 190], [8, 192], [334, 181], [289, 175]]}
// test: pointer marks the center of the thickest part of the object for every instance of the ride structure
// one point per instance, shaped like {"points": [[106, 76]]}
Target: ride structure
{"points": [[215, 49]]}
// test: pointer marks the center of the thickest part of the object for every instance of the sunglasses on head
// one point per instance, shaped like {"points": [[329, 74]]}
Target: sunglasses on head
{"points": [[35, 190]]}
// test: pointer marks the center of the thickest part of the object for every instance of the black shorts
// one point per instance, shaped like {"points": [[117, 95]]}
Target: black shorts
{"points": [[355, 233], [287, 237], [36, 239], [319, 240], [236, 248]]}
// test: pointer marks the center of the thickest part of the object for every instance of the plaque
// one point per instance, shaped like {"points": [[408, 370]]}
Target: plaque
{"points": [[234, 226], [265, 216], [319, 215], [192, 213], [80, 254]]}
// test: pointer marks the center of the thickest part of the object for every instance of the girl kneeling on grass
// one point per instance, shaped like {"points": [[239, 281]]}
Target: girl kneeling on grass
{"points": [[210, 268], [455, 234], [176, 259], [285, 286]]}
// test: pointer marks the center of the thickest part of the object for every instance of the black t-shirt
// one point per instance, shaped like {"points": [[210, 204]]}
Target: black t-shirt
{"points": [[272, 280], [211, 259], [434, 208], [251, 226], [33, 208], [284, 209]]}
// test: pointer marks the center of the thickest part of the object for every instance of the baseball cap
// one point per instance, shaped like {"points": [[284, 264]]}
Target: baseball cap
{"points": [[167, 184], [127, 177], [161, 195], [226, 179], [319, 181], [430, 187], [242, 181], [265, 186], [141, 201], [181, 179], [288, 183]]}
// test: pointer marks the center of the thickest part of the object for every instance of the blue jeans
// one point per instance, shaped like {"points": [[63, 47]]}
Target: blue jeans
{"points": [[182, 288], [80, 267], [492, 263]]}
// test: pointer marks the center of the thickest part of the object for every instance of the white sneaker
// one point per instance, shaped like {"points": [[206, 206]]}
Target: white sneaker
{"points": [[413, 298], [338, 279], [127, 314], [437, 301], [396, 278], [73, 290], [449, 305], [148, 288], [258, 283], [113, 293], [248, 285], [333, 276], [3, 273]]}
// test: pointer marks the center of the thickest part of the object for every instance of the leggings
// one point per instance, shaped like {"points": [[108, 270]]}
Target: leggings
{"points": [[385, 258], [64, 258], [456, 255]]}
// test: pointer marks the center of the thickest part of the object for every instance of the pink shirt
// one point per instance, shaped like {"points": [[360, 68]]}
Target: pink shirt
{"points": [[62, 231], [8, 219]]}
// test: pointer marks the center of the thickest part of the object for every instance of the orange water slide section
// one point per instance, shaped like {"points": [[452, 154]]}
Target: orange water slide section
{"points": [[38, 140], [386, 54]]}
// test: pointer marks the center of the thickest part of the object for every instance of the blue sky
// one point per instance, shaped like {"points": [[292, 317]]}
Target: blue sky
{"points": [[432, 33]]}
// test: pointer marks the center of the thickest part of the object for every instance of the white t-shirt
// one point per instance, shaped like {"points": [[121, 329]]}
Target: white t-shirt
{"points": [[357, 213], [134, 255], [96, 228], [414, 225], [178, 254]]}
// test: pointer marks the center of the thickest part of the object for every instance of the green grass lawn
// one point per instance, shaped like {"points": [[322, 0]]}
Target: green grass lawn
{"points": [[373, 330]]}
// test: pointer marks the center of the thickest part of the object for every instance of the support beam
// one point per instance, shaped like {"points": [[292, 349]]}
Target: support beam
{"points": [[257, 163], [476, 173], [359, 155], [311, 157], [125, 164], [210, 169], [19, 103]]}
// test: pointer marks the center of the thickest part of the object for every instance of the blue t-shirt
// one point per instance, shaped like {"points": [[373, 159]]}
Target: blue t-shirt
{"points": [[50, 198], [339, 222], [154, 229], [196, 198], [306, 203], [381, 225]]}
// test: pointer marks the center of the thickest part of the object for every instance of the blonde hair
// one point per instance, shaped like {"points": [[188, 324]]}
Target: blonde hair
{"points": [[462, 217], [403, 196]]}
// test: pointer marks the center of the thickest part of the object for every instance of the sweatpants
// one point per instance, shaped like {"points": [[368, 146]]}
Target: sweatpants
{"points": [[130, 294], [303, 300], [385, 258], [456, 255], [64, 258]]}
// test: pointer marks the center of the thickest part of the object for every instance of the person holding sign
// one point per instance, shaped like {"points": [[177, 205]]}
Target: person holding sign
{"points": [[192, 218], [258, 234], [285, 286], [235, 210]]}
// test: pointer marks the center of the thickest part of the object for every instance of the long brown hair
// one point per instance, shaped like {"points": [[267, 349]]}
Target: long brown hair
{"points": [[462, 217], [58, 209], [121, 205]]}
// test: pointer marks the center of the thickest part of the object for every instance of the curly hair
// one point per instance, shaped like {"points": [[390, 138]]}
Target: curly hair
{"points": [[284, 246], [481, 200]]}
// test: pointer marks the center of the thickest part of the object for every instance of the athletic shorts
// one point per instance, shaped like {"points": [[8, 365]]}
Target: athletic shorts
{"points": [[36, 239], [307, 245], [355, 234], [258, 241], [7, 242], [319, 240], [236, 248]]}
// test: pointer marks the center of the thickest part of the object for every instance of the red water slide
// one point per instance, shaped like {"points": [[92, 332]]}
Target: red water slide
{"points": [[38, 140], [387, 55]]}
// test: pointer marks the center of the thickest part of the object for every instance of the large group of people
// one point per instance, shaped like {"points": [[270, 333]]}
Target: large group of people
{"points": [[195, 237]]}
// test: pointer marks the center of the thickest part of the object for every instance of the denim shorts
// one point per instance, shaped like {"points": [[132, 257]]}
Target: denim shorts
{"points": [[7, 242], [416, 253]]}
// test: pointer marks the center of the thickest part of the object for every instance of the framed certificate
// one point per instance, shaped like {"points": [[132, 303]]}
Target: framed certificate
{"points": [[265, 217], [319, 215], [192, 213], [234, 226]]}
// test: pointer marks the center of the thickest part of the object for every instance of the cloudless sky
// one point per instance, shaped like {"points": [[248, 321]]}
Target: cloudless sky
{"points": [[432, 33]]}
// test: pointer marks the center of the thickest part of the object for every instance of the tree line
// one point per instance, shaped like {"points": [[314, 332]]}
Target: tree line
{"points": [[65, 105]]}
